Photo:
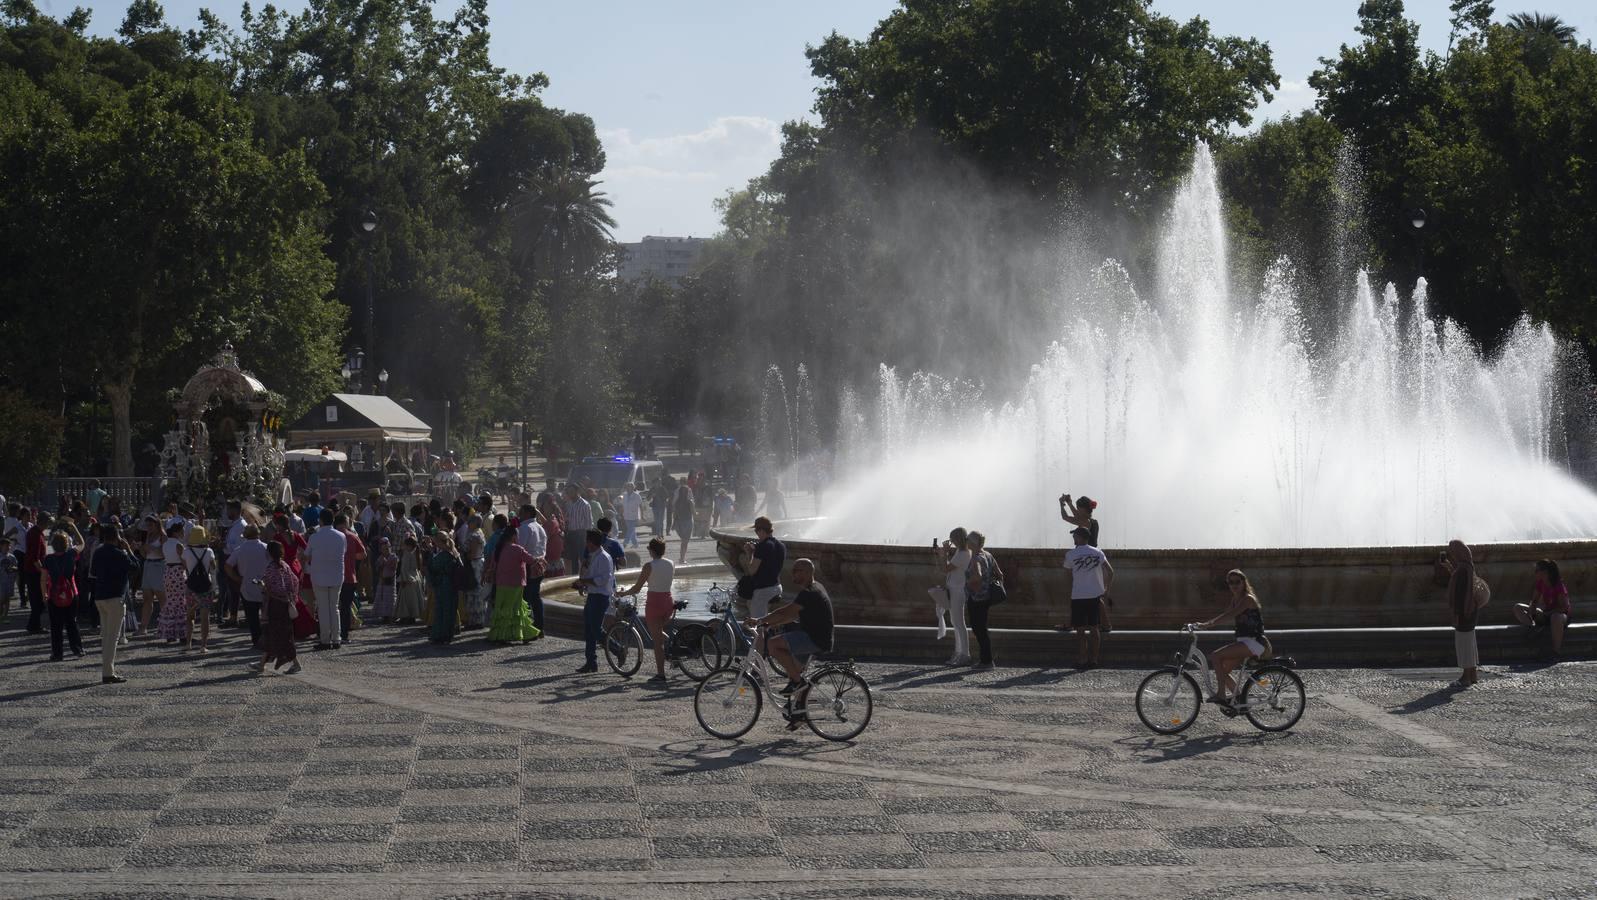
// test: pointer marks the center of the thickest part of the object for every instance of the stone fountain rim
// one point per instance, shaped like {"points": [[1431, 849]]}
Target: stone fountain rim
{"points": [[1527, 549]]}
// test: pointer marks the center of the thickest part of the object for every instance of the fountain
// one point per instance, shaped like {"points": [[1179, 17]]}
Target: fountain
{"points": [[1201, 421]]}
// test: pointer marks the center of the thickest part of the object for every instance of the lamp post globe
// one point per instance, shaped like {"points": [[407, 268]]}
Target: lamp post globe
{"points": [[1417, 218], [368, 221]]}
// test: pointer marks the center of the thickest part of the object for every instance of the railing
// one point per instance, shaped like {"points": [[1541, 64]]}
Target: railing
{"points": [[135, 493]]}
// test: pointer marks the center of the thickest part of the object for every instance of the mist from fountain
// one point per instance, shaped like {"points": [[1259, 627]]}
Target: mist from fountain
{"points": [[1203, 420]]}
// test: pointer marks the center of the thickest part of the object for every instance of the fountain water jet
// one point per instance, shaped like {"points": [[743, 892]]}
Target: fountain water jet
{"points": [[1205, 421]]}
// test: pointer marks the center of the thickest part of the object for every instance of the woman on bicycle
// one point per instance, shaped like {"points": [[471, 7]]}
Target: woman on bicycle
{"points": [[659, 605], [1247, 613]]}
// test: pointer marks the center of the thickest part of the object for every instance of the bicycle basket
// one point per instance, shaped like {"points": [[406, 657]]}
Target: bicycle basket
{"points": [[626, 609]]}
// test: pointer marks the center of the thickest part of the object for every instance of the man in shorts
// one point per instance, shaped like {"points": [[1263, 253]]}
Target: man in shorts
{"points": [[808, 621], [1090, 579]]}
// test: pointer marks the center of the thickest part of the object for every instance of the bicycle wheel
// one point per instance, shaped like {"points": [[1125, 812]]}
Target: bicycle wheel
{"points": [[695, 652], [727, 704], [1168, 701], [623, 649], [837, 704], [725, 641], [1272, 697]]}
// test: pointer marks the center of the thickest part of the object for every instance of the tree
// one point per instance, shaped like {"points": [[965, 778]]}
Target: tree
{"points": [[1541, 25], [30, 443], [134, 196], [562, 224]]}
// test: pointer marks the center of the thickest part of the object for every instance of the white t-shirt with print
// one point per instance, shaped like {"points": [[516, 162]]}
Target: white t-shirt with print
{"points": [[1086, 564]]}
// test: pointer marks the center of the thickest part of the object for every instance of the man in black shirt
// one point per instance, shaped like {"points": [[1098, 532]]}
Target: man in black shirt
{"points": [[109, 569], [763, 561], [809, 621]]}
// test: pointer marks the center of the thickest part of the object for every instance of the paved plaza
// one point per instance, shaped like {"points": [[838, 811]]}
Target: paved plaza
{"points": [[394, 769]]}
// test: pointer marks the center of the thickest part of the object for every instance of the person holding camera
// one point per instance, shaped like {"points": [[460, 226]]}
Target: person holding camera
{"points": [[1078, 512], [955, 556], [763, 561]]}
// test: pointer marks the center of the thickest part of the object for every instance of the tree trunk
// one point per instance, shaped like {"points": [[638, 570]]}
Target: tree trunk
{"points": [[120, 396]]}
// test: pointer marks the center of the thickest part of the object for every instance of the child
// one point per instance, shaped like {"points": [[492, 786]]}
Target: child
{"points": [[387, 568], [8, 577], [407, 608]]}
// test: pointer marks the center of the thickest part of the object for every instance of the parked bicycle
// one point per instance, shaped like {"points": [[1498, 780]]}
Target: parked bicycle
{"points": [[690, 646], [831, 697], [729, 634], [1271, 694]]}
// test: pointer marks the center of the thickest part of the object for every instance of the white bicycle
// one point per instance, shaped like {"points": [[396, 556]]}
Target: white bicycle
{"points": [[831, 698], [1271, 695]]}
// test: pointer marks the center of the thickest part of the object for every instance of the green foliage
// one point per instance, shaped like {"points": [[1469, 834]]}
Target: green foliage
{"points": [[30, 443], [135, 197], [1491, 141]]}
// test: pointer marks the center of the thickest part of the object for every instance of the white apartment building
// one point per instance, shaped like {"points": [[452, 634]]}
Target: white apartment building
{"points": [[665, 258]]}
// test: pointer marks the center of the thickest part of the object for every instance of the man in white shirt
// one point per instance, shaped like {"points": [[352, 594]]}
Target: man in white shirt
{"points": [[632, 513], [579, 519], [324, 554], [531, 536], [600, 581], [1091, 576], [245, 564]]}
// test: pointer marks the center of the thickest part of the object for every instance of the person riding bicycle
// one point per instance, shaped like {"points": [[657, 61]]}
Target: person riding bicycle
{"points": [[808, 621], [1250, 640]]}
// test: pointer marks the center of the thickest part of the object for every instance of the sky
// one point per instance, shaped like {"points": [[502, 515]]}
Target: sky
{"points": [[689, 96]]}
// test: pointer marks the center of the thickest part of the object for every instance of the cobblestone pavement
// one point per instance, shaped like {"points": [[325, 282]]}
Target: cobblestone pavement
{"points": [[394, 769]]}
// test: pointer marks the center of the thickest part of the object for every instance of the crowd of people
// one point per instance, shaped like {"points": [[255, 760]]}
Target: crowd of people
{"points": [[304, 572], [312, 572]]}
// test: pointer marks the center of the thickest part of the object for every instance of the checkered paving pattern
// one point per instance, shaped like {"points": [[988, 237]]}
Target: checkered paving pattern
{"points": [[396, 760]]}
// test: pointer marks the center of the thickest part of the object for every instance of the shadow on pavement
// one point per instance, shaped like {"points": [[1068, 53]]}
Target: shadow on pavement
{"points": [[45, 692], [1186, 748], [1439, 697]]}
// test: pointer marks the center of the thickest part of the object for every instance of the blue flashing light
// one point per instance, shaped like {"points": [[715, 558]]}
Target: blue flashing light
{"points": [[622, 459]]}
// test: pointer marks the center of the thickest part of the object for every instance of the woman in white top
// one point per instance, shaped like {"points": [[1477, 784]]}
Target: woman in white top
{"points": [[955, 554], [173, 623], [660, 605]]}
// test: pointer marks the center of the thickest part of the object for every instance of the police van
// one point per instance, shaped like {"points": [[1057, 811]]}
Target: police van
{"points": [[615, 472]]}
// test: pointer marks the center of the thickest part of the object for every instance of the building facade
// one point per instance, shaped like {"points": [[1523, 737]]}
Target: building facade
{"points": [[665, 258]]}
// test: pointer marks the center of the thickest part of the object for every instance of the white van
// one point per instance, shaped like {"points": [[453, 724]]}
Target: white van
{"points": [[615, 472]]}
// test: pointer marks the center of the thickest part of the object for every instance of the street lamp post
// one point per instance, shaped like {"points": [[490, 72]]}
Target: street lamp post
{"points": [[1416, 221], [368, 224], [382, 381]]}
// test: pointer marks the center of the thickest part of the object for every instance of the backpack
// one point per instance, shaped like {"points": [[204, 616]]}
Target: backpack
{"points": [[63, 591], [198, 580], [1481, 592]]}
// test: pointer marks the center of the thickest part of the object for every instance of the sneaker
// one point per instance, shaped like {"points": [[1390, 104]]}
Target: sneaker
{"points": [[257, 666], [295, 668], [658, 679], [336, 646], [113, 679], [587, 669], [959, 661], [789, 688], [320, 647]]}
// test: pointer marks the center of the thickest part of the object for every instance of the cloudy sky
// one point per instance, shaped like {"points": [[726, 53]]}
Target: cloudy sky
{"points": [[689, 95]]}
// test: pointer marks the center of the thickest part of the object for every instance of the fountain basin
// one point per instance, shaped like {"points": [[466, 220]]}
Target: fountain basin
{"points": [[1299, 588]]}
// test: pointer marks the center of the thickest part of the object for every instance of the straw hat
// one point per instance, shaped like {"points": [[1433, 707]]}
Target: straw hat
{"points": [[197, 537]]}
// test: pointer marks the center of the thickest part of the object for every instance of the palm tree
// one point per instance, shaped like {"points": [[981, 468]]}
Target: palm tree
{"points": [[1535, 25], [561, 224]]}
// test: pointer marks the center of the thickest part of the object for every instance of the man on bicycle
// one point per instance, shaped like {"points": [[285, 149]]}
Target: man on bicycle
{"points": [[807, 621]]}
